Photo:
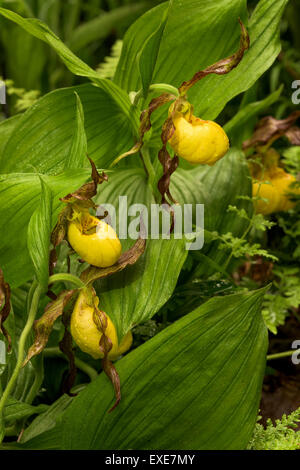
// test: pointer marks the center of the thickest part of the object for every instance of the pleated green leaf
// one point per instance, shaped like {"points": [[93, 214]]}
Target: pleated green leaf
{"points": [[226, 183], [43, 136], [199, 33], [147, 58], [41, 30], [78, 153], [15, 410], [6, 128], [38, 235], [196, 385]]}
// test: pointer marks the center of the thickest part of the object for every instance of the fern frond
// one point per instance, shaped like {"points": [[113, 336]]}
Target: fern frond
{"points": [[107, 69], [281, 436]]}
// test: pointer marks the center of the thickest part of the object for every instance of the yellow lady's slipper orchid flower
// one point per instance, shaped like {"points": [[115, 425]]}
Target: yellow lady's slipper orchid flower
{"points": [[94, 241], [86, 334], [276, 192], [198, 141]]}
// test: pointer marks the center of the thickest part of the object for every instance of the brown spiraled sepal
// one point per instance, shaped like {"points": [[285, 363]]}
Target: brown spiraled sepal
{"points": [[88, 190], [114, 377], [270, 129], [43, 326], [145, 123], [129, 257], [4, 307], [223, 66], [105, 344], [169, 164]]}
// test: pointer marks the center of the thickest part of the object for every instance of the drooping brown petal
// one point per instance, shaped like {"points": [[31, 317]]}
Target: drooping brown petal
{"points": [[60, 229], [66, 347], [137, 146], [113, 376], [58, 235], [105, 345], [145, 117], [145, 126], [269, 129], [88, 190], [100, 320], [43, 326], [223, 66], [129, 257], [169, 164], [4, 307]]}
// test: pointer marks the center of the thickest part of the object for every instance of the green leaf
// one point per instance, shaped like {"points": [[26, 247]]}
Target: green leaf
{"points": [[136, 294], [147, 58], [40, 30], [44, 431], [241, 126], [78, 152], [38, 235], [43, 136], [6, 128], [229, 179], [15, 410], [195, 385], [19, 196], [198, 33]]}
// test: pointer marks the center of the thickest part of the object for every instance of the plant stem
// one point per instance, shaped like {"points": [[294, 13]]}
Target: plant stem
{"points": [[38, 379], [67, 278], [270, 357], [88, 370], [21, 349], [164, 87], [148, 164]]}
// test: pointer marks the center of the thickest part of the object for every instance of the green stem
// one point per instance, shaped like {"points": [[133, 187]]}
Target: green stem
{"points": [[152, 178], [88, 370], [164, 87], [148, 164], [21, 350], [270, 357], [38, 379], [67, 278]]}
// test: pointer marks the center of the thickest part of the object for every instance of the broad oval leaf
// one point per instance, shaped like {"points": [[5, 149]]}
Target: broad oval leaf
{"points": [[196, 385], [43, 137], [77, 157], [41, 30], [6, 128], [197, 34]]}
